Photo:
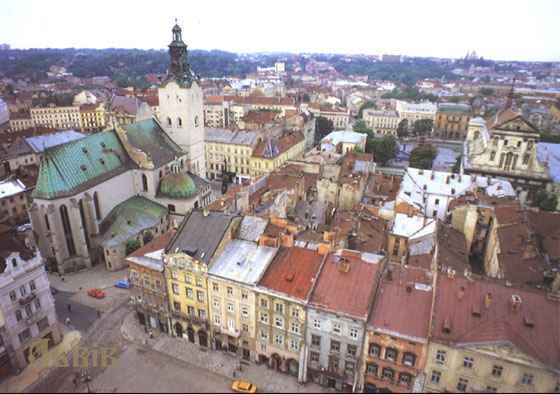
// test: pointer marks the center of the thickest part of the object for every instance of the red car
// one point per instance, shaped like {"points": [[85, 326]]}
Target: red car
{"points": [[96, 293]]}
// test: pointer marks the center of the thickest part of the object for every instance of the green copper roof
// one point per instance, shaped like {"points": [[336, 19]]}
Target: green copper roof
{"points": [[150, 138], [129, 219], [78, 165], [177, 186]]}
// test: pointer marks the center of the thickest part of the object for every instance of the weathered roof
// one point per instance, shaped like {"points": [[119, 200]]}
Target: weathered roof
{"points": [[252, 228], [293, 272], [452, 249], [13, 243], [224, 136], [413, 227], [347, 137], [128, 219], [346, 285], [404, 301], [243, 262], [200, 235], [482, 312], [272, 147], [454, 108], [78, 165], [150, 138], [40, 143]]}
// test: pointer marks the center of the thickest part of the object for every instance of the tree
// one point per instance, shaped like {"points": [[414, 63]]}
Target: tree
{"points": [[402, 129], [383, 149], [423, 157], [132, 246], [366, 105], [423, 127], [361, 127], [323, 127], [546, 201]]}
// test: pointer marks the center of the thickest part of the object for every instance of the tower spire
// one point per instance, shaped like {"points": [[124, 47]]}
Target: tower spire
{"points": [[511, 95]]}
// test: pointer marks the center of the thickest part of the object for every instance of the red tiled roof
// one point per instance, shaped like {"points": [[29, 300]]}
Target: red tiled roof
{"points": [[284, 143], [404, 302], [346, 285], [293, 272], [534, 328]]}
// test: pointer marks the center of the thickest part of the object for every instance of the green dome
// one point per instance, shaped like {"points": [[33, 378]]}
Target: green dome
{"points": [[177, 186]]}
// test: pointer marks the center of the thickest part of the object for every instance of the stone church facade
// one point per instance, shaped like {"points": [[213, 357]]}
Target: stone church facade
{"points": [[96, 196]]}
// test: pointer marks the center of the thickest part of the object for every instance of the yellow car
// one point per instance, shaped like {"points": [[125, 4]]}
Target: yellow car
{"points": [[242, 386]]}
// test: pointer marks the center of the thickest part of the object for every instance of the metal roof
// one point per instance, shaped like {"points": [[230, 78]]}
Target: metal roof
{"points": [[252, 228], [40, 143], [243, 261]]}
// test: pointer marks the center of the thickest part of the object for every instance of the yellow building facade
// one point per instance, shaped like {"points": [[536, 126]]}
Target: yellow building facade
{"points": [[270, 155], [187, 288]]}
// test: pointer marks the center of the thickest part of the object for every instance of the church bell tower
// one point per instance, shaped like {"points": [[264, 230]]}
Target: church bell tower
{"points": [[181, 105]]}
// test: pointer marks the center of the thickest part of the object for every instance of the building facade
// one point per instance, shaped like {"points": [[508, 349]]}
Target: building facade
{"points": [[271, 153], [26, 304], [452, 121], [382, 122], [13, 201]]}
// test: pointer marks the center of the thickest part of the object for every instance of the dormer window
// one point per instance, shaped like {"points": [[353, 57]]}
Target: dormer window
{"points": [[14, 263]]}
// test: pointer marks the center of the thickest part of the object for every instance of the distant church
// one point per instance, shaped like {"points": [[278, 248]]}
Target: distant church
{"points": [[98, 198]]}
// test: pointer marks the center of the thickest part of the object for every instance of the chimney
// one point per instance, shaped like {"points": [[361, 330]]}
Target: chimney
{"points": [[488, 300]]}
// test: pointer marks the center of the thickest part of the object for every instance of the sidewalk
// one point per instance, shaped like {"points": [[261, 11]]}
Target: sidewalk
{"points": [[218, 362], [35, 371]]}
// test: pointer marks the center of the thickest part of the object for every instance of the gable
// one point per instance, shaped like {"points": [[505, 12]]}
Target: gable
{"points": [[518, 124]]}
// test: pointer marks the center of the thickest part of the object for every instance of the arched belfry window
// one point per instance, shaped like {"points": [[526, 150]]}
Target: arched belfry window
{"points": [[67, 230], [169, 122], [180, 122], [196, 121], [144, 183]]}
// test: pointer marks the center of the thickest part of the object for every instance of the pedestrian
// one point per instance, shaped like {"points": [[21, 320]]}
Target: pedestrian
{"points": [[67, 321], [69, 308], [151, 333]]}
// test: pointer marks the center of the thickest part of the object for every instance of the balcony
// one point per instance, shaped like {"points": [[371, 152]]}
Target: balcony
{"points": [[190, 318], [27, 300]]}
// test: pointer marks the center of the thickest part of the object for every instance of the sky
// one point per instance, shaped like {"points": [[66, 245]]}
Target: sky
{"points": [[496, 29]]}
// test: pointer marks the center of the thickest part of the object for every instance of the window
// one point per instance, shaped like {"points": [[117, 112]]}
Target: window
{"points": [[215, 287], [374, 350], [264, 318], [176, 289], [47, 223], [372, 369], [468, 362], [337, 328], [23, 291], [189, 292], [279, 340], [351, 350], [144, 183], [200, 296], [492, 155], [391, 354], [19, 316], [497, 371], [462, 385], [436, 377], [245, 311], [97, 206], [317, 324], [441, 357], [230, 308], [180, 122], [67, 231], [527, 379], [316, 341], [230, 292], [169, 122], [354, 333], [409, 359], [264, 335], [190, 311], [279, 322], [314, 357], [294, 345], [294, 327], [217, 320], [405, 379], [349, 367], [245, 327], [244, 295], [198, 282], [13, 295], [295, 313], [279, 308], [37, 303], [177, 306], [388, 374], [25, 335], [188, 279], [335, 346]]}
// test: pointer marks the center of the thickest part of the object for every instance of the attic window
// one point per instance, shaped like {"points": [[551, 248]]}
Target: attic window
{"points": [[83, 167], [528, 321], [84, 149], [102, 161], [289, 277], [103, 145]]}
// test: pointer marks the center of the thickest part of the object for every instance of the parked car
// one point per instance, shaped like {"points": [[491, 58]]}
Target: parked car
{"points": [[122, 284], [243, 386], [96, 293]]}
